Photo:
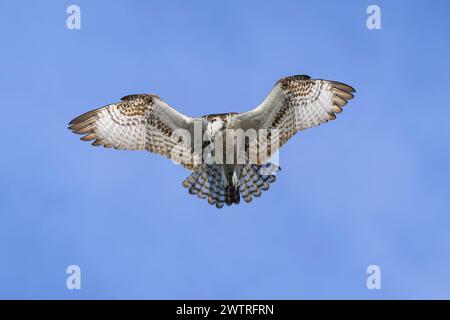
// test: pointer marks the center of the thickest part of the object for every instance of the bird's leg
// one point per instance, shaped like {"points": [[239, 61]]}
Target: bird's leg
{"points": [[235, 178], [224, 177]]}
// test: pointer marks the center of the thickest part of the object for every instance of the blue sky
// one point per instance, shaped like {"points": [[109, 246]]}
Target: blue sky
{"points": [[369, 188]]}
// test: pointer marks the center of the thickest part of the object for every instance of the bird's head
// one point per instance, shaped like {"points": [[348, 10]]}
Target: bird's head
{"points": [[213, 127]]}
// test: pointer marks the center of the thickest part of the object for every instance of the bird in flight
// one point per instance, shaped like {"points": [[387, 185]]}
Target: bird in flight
{"points": [[201, 145]]}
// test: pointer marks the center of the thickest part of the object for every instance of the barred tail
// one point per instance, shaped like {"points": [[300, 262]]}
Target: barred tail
{"points": [[208, 182], [256, 178]]}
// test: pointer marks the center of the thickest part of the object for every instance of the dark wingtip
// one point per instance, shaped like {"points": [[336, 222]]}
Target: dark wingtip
{"points": [[344, 86]]}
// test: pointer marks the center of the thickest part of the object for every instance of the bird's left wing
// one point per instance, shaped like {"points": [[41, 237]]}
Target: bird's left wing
{"points": [[294, 104], [139, 122]]}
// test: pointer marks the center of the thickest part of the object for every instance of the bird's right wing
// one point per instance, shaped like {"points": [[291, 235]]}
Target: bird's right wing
{"points": [[140, 122]]}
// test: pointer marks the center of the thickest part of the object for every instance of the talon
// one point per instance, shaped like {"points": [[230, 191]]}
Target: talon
{"points": [[224, 179], [235, 180]]}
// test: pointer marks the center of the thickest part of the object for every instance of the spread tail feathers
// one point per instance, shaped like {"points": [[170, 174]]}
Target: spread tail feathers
{"points": [[209, 182]]}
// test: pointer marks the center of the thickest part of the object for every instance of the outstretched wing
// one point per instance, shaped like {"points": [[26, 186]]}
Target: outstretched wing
{"points": [[138, 122], [295, 103]]}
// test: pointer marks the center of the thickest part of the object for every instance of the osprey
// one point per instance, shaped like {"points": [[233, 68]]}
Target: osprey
{"points": [[146, 122]]}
